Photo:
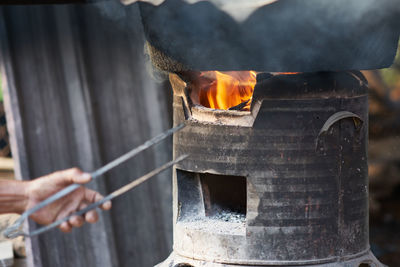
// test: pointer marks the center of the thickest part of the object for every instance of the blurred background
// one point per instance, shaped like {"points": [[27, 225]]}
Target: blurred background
{"points": [[78, 92], [384, 162]]}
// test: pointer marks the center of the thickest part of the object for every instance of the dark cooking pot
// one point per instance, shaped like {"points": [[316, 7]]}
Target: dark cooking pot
{"points": [[286, 35]]}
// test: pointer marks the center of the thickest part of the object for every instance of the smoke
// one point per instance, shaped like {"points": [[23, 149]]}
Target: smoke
{"points": [[113, 10], [124, 18], [127, 20]]}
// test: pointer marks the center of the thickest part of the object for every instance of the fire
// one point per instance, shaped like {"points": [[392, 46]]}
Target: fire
{"points": [[287, 73], [224, 90]]}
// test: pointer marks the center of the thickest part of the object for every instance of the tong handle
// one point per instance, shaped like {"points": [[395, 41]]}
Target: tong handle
{"points": [[15, 229], [57, 223]]}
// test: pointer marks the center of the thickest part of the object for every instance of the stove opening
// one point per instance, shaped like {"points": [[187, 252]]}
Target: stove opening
{"points": [[224, 196], [210, 196]]}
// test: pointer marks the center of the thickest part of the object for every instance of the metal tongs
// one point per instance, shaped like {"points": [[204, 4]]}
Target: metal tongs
{"points": [[15, 230]]}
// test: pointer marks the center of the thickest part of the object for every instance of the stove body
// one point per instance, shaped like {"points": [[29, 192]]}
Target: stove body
{"points": [[284, 184]]}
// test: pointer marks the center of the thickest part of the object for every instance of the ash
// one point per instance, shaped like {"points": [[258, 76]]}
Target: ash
{"points": [[227, 216], [225, 222]]}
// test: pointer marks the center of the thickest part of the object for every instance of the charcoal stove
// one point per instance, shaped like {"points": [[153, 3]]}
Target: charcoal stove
{"points": [[283, 184], [286, 182]]}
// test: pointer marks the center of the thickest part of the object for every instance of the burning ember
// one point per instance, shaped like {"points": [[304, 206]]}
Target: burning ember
{"points": [[286, 73], [231, 90]]}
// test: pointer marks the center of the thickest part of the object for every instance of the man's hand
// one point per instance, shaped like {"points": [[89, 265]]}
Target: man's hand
{"points": [[41, 188]]}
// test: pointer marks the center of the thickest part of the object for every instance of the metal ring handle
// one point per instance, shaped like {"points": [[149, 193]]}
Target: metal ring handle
{"points": [[338, 116]]}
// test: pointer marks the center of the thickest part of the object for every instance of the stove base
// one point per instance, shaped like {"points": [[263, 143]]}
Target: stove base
{"points": [[365, 260]]}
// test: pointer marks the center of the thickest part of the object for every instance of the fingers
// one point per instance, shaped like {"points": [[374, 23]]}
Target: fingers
{"points": [[93, 196], [70, 176], [83, 178], [76, 221], [91, 216], [76, 176], [79, 200], [65, 227], [106, 206]]}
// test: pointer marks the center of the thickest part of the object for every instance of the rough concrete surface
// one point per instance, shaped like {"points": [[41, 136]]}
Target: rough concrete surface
{"points": [[6, 254], [17, 243]]}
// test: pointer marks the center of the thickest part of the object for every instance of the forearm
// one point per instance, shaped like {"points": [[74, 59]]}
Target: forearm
{"points": [[13, 196]]}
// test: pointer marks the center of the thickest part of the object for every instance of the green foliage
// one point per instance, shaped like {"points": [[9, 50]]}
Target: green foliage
{"points": [[391, 76]]}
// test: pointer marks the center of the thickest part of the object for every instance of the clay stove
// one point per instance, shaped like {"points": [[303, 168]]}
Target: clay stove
{"points": [[283, 184]]}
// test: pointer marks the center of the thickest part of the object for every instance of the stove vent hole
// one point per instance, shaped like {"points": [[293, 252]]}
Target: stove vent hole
{"points": [[225, 197]]}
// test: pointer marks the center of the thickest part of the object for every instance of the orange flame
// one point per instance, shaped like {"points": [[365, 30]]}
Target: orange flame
{"points": [[224, 90], [287, 73]]}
